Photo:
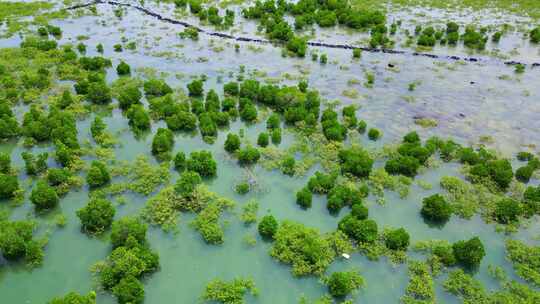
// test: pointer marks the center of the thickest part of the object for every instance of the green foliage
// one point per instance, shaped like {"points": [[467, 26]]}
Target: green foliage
{"points": [[180, 161], [404, 165], [203, 163], [123, 69], [126, 228], [363, 231], [507, 211], [268, 227], [44, 196], [17, 242], [99, 93], [186, 184], [421, 288], [342, 195], [98, 174], [232, 143], [249, 212], [242, 188], [163, 143], [207, 221], [535, 35], [263, 139], [182, 121], [463, 285], [397, 239], [359, 211], [304, 198], [249, 155], [499, 171], [195, 88], [525, 259], [469, 253], [304, 248], [96, 216], [341, 284], [355, 161], [435, 208], [374, 134], [321, 183], [128, 96], [138, 117], [129, 290], [75, 298], [9, 185], [229, 292], [156, 88]]}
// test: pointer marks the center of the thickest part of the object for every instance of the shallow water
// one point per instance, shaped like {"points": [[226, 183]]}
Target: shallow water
{"points": [[468, 100]]}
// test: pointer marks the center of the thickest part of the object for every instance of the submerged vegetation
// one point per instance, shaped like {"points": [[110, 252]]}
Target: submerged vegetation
{"points": [[166, 165]]}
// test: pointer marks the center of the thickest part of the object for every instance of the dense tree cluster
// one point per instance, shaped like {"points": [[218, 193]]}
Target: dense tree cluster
{"points": [[97, 215], [44, 196], [436, 208], [469, 253], [17, 242], [203, 163], [98, 174], [75, 298], [9, 126], [411, 155], [268, 226], [129, 261], [248, 155], [355, 161], [341, 284], [163, 143]]}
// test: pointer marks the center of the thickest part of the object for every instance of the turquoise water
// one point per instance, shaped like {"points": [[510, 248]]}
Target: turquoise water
{"points": [[468, 101]]}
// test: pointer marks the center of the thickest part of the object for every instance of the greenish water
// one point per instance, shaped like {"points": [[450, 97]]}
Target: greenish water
{"points": [[467, 100]]}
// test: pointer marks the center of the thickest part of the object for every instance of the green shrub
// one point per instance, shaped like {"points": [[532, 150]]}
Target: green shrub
{"points": [[58, 176], [435, 208], [182, 121], [139, 119], [525, 156], [163, 142], [44, 196], [523, 174], [263, 139], [242, 188], [268, 227], [98, 174], [97, 215], [507, 211], [321, 183], [404, 165], [397, 239], [75, 298], [129, 95], [129, 290], [203, 163], [180, 161], [99, 92], [359, 211], [187, 183], [374, 134], [195, 88], [276, 136], [535, 35], [123, 69], [355, 161], [363, 231], [9, 185], [232, 143], [156, 88], [469, 253], [304, 198], [341, 284], [126, 228], [249, 155]]}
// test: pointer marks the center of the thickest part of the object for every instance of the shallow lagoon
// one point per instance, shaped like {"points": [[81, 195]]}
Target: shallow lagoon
{"points": [[468, 101]]}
